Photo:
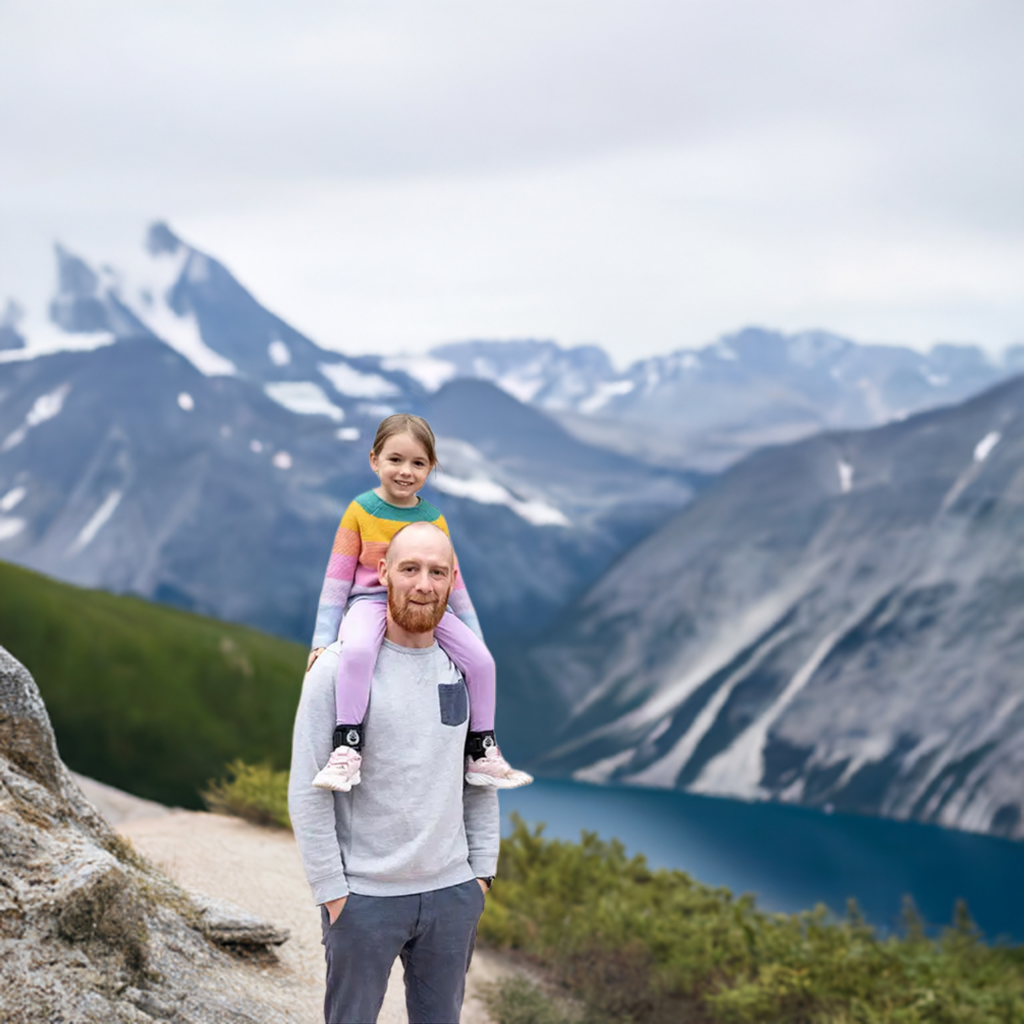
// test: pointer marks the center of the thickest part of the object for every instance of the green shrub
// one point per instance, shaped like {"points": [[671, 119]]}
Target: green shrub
{"points": [[516, 1000], [254, 792], [655, 946]]}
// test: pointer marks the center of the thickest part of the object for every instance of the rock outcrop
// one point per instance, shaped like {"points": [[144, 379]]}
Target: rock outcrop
{"points": [[89, 931]]}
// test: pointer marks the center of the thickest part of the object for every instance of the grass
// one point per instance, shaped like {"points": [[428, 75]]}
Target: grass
{"points": [[149, 698]]}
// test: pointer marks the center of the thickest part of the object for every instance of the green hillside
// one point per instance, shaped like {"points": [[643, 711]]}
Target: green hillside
{"points": [[145, 697]]}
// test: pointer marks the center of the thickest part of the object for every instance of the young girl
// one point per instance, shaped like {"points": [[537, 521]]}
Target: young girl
{"points": [[353, 609]]}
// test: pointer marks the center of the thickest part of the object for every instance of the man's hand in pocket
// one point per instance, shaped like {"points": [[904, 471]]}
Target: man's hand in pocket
{"points": [[334, 908]]}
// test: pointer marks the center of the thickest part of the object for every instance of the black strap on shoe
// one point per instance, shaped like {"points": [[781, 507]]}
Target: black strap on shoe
{"points": [[348, 736], [478, 743]]}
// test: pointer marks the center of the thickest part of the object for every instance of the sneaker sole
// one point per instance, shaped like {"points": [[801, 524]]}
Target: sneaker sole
{"points": [[337, 787], [476, 779]]}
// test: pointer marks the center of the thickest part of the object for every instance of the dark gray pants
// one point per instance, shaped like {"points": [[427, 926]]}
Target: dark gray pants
{"points": [[433, 933]]}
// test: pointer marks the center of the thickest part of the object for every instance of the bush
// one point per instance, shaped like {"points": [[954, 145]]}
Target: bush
{"points": [[254, 792], [655, 946], [516, 1000]]}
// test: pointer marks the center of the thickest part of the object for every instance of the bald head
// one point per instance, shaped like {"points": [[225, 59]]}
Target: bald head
{"points": [[423, 539]]}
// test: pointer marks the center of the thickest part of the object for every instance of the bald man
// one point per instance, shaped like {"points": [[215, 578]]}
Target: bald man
{"points": [[400, 864]]}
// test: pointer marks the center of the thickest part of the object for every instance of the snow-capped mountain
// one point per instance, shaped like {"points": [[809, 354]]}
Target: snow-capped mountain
{"points": [[707, 407], [169, 436], [835, 622]]}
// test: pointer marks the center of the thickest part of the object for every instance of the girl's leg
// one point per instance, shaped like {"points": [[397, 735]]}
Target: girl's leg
{"points": [[361, 635], [472, 658], [484, 764]]}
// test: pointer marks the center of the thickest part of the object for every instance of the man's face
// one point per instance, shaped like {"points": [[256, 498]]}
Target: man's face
{"points": [[419, 578]]}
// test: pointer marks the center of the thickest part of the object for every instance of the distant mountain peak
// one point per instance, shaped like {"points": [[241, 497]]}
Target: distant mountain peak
{"points": [[161, 239], [10, 337], [75, 278]]}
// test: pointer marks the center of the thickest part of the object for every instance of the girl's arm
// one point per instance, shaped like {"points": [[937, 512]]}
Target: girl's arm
{"points": [[338, 580]]}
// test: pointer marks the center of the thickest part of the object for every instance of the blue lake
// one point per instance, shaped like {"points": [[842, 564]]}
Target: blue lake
{"points": [[792, 858]]}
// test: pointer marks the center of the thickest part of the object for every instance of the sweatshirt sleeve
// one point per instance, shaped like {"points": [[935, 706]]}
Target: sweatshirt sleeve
{"points": [[338, 580], [312, 810], [483, 829]]}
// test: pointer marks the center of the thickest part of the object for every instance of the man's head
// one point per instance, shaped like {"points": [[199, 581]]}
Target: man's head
{"points": [[419, 571]]}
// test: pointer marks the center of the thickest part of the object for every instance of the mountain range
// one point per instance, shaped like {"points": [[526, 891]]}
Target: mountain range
{"points": [[834, 622], [753, 569], [186, 445], [704, 408]]}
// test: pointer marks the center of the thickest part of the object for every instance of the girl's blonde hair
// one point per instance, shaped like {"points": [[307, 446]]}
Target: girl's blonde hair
{"points": [[405, 423]]}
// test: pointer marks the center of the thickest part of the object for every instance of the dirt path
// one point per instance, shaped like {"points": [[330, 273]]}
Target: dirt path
{"points": [[259, 869]]}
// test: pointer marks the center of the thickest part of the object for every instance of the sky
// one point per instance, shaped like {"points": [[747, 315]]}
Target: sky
{"points": [[639, 174]]}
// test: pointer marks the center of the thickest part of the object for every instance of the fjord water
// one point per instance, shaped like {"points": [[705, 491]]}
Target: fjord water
{"points": [[792, 858]]}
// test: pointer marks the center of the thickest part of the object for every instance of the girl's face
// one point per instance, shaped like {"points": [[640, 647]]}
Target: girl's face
{"points": [[403, 467]]}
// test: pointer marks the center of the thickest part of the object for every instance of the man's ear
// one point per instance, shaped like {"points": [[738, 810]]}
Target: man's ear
{"points": [[382, 572]]}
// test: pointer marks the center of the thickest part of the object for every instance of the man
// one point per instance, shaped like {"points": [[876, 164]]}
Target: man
{"points": [[400, 864]]}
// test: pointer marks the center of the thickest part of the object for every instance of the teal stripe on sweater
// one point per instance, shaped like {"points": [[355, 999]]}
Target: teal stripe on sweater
{"points": [[423, 512]]}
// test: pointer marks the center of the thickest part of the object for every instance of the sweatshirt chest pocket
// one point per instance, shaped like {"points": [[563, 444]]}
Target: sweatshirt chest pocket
{"points": [[454, 701]]}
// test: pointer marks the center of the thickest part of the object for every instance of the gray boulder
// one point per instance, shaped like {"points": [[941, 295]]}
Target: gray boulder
{"points": [[89, 931]]}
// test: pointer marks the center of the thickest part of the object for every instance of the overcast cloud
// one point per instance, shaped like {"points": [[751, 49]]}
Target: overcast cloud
{"points": [[642, 174]]}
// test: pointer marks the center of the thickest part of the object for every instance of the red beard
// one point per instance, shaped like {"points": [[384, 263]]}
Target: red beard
{"points": [[415, 618]]}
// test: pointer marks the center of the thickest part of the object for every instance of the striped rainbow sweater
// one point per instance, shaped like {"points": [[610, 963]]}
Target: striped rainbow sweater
{"points": [[363, 536]]}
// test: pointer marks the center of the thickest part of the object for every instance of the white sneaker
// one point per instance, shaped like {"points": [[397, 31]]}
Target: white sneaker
{"points": [[341, 772], [493, 770]]}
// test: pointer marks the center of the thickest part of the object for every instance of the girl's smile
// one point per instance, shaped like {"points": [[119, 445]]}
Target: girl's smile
{"points": [[403, 467]]}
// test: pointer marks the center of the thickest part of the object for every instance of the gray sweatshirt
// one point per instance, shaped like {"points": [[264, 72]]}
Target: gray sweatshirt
{"points": [[412, 824]]}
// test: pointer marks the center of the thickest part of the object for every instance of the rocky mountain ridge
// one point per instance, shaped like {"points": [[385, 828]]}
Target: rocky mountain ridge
{"points": [[834, 622], [706, 407]]}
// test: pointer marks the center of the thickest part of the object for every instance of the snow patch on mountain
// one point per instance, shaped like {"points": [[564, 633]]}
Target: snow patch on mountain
{"points": [[12, 499], [96, 522], [305, 398], [186, 401], [280, 354], [10, 527], [488, 492], [42, 337], [429, 371], [604, 393], [45, 407], [349, 381], [152, 282], [845, 476], [984, 447]]}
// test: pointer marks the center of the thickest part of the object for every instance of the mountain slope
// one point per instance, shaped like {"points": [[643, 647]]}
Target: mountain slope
{"points": [[148, 698], [834, 622]]}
